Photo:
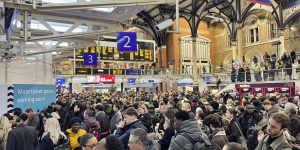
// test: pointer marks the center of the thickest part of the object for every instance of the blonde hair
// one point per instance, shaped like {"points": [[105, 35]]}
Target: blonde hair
{"points": [[155, 99], [53, 130], [144, 107], [55, 115], [4, 124], [199, 110], [230, 101]]}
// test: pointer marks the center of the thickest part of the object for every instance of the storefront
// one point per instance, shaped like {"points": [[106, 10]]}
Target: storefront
{"points": [[264, 88]]}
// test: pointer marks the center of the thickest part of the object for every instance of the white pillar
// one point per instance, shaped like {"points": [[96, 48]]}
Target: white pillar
{"points": [[195, 62], [281, 38]]}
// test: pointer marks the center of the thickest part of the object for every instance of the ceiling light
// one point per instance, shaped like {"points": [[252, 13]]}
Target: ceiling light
{"points": [[108, 10], [54, 53]]}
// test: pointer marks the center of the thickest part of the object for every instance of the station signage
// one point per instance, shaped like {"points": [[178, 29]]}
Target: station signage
{"points": [[107, 79], [126, 42]]}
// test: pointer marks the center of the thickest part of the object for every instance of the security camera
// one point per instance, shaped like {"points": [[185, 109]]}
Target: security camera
{"points": [[6, 46], [163, 25]]}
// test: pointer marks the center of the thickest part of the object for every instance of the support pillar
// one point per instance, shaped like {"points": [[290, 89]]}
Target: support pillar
{"points": [[233, 44], [164, 60], [158, 56], [6, 67], [122, 87], [281, 38], [240, 44], [195, 83]]}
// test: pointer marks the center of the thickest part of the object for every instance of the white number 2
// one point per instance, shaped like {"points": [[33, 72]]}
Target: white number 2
{"points": [[126, 45], [91, 59]]}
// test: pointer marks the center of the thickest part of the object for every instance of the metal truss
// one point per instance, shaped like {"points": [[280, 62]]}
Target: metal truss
{"points": [[80, 4]]}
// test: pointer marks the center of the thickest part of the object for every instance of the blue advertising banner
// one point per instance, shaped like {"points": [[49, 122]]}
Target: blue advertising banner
{"points": [[155, 84], [34, 96], [133, 72], [150, 80], [185, 84], [263, 2], [126, 42], [90, 59]]}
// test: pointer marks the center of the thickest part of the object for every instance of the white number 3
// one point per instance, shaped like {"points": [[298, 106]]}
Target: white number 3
{"points": [[91, 59], [126, 45]]}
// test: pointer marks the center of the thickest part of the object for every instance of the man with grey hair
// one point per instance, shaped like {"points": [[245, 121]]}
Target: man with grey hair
{"points": [[291, 110], [138, 140], [187, 107], [264, 123], [261, 98]]}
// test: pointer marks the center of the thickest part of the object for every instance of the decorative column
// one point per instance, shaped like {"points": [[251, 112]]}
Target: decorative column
{"points": [[233, 44], [195, 84], [281, 38], [239, 43]]}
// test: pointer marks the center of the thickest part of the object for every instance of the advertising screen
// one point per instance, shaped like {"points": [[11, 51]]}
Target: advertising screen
{"points": [[60, 81], [107, 79], [93, 79], [131, 81]]}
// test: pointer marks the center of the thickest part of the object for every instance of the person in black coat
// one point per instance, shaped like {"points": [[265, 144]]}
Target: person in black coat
{"points": [[288, 69], [103, 120], [155, 102], [293, 55], [233, 74], [77, 111], [61, 112], [232, 130], [22, 137], [241, 74], [250, 115], [248, 74], [144, 117], [165, 137]]}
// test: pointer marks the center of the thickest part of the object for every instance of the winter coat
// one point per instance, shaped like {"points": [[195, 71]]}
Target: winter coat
{"points": [[47, 143], [78, 114], [3, 139], [67, 120], [220, 113], [232, 130], [161, 122], [189, 127], [103, 121], [166, 139], [124, 133], [145, 119], [294, 127], [74, 136], [116, 119], [219, 140], [34, 122], [152, 145], [62, 114], [90, 121], [22, 138], [256, 117], [192, 115], [155, 104], [288, 69], [263, 143], [49, 109]]}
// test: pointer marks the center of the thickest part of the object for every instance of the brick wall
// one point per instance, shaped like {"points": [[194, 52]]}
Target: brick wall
{"points": [[173, 43]]}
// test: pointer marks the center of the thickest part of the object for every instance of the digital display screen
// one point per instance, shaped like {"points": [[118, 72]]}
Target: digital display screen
{"points": [[207, 79]]}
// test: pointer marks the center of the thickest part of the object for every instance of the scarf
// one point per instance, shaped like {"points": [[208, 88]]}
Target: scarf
{"points": [[32, 114]]}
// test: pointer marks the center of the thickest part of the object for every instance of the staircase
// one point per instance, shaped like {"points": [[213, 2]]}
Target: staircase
{"points": [[230, 86]]}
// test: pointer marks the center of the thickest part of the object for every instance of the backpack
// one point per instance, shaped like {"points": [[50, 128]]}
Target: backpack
{"points": [[93, 129], [252, 134], [41, 122], [203, 144], [225, 121]]}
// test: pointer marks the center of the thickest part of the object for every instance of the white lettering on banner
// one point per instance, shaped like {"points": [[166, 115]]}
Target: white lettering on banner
{"points": [[105, 80], [20, 91], [257, 89], [24, 100], [244, 85], [284, 89], [245, 89], [48, 91], [270, 89]]}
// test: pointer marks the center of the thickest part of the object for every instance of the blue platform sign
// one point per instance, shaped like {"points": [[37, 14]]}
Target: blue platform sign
{"points": [[34, 96], [155, 84], [11, 27], [60, 81], [133, 72], [126, 42], [150, 80], [90, 59]]}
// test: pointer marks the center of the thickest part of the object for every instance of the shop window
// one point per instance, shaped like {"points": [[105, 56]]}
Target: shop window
{"points": [[273, 30]]}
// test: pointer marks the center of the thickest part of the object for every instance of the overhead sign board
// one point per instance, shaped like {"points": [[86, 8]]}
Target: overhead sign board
{"points": [[107, 79], [90, 59], [126, 42], [93, 79], [263, 2], [131, 81], [133, 72]]}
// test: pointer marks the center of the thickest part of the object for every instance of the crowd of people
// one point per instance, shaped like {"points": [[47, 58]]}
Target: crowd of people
{"points": [[156, 121]]}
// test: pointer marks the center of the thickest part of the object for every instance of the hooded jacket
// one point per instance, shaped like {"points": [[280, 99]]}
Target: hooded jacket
{"points": [[3, 139], [124, 133], [256, 117], [294, 126], [103, 121], [152, 145], [74, 136], [116, 119], [219, 140], [232, 131], [90, 121], [189, 127]]}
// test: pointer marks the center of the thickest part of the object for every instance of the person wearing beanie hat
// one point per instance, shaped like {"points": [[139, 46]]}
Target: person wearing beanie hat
{"points": [[75, 132]]}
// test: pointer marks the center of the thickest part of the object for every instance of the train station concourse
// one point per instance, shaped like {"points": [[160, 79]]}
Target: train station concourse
{"points": [[89, 56]]}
